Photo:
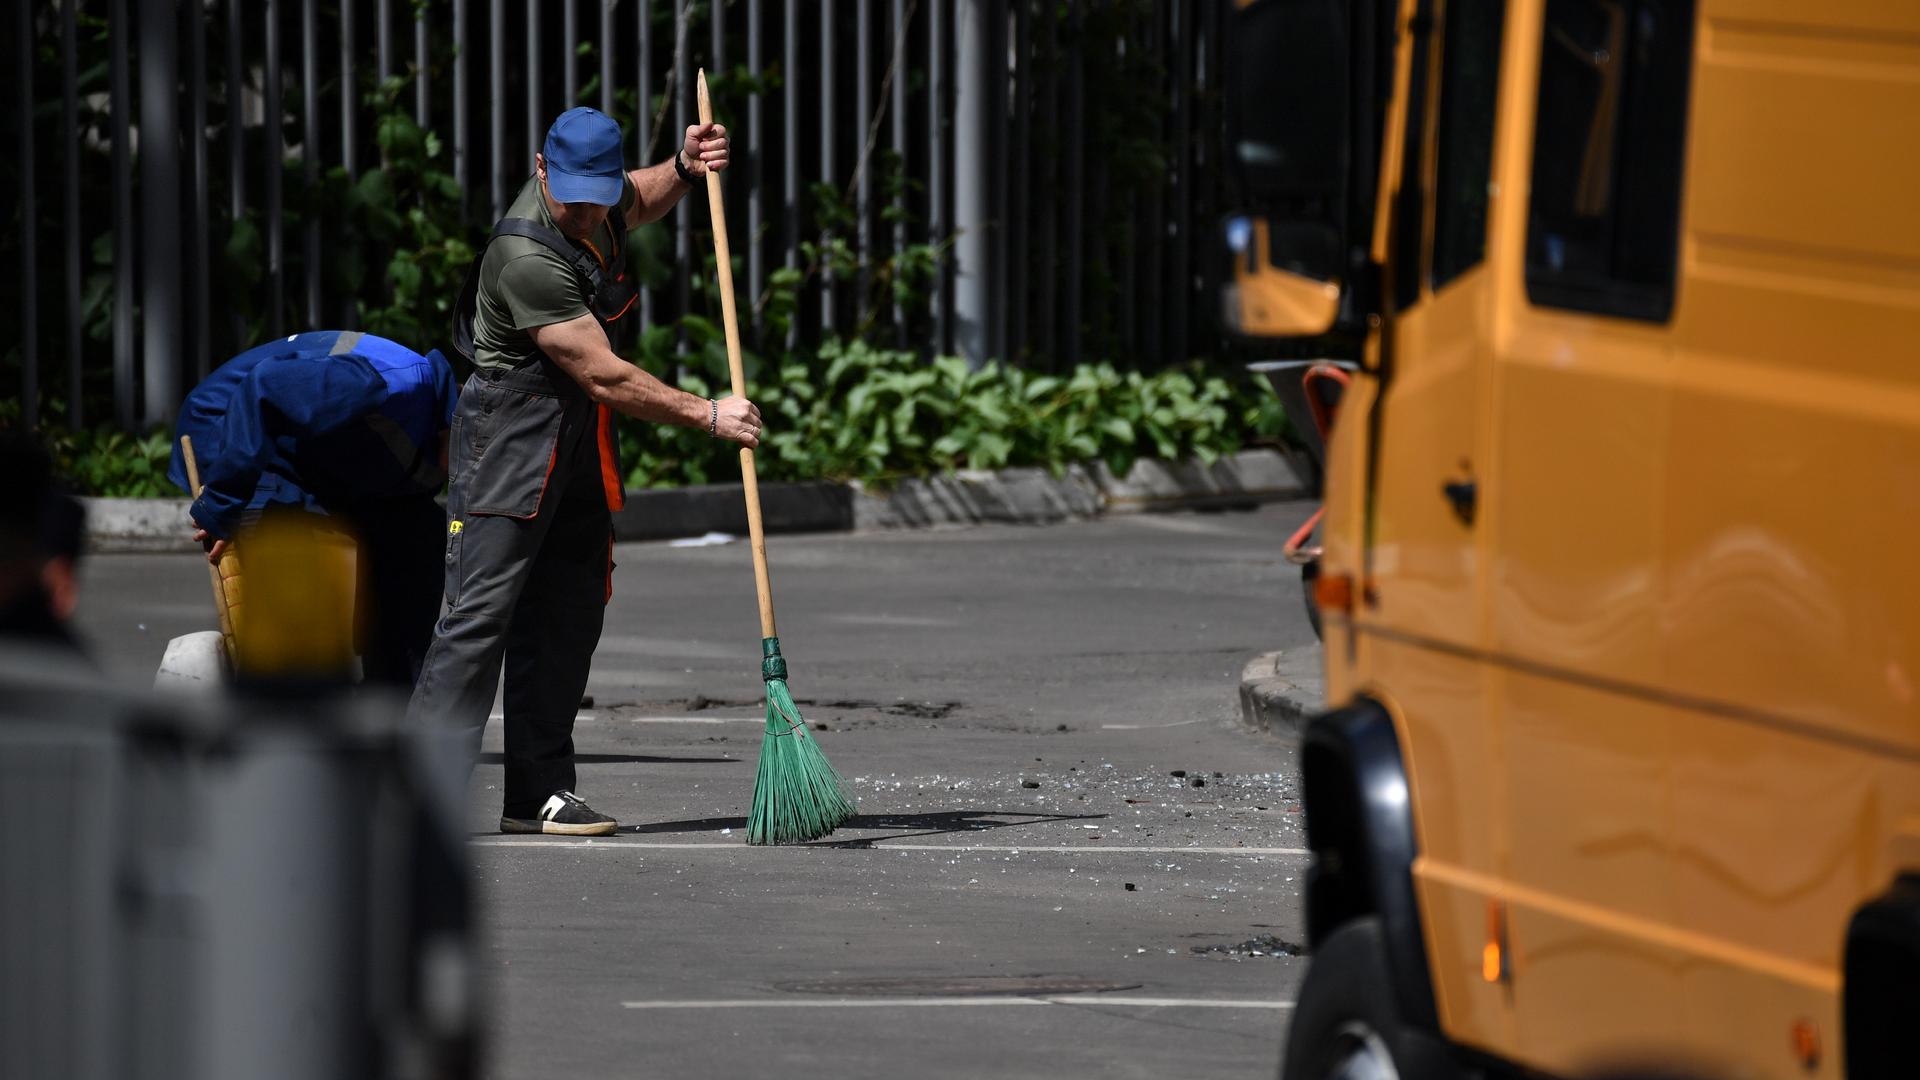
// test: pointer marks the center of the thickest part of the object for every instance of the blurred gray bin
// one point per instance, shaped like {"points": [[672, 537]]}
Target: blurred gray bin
{"points": [[221, 888]]}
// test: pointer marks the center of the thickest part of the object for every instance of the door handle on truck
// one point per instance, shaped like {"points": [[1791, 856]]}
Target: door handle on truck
{"points": [[1465, 496]]}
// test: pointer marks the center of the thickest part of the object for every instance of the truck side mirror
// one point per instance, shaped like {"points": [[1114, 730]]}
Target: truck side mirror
{"points": [[1284, 280]]}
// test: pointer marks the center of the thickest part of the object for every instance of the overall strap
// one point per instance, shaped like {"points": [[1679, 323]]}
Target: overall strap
{"points": [[582, 263]]}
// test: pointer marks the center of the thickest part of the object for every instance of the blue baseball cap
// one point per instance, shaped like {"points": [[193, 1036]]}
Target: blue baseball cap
{"points": [[584, 162]]}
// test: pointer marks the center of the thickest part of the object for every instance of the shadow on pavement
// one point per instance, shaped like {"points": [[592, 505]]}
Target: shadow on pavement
{"points": [[625, 759], [931, 824]]}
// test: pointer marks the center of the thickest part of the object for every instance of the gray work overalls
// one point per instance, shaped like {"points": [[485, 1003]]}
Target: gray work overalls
{"points": [[533, 476]]}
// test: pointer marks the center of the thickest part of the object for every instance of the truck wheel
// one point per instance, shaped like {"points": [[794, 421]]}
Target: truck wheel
{"points": [[1347, 1027]]}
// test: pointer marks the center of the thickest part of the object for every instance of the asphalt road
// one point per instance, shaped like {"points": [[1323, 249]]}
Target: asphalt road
{"points": [[1057, 808]]}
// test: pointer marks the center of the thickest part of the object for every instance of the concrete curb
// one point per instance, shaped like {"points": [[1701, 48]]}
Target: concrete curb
{"points": [[137, 525], [1023, 496], [1280, 691], [668, 513], [1037, 497]]}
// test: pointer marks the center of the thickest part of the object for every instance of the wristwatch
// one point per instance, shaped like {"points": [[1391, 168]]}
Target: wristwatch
{"points": [[681, 168]]}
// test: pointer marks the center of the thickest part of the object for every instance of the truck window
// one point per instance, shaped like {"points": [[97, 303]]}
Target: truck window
{"points": [[1469, 79], [1608, 142]]}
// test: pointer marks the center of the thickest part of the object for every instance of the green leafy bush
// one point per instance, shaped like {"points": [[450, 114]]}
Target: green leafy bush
{"points": [[103, 460], [852, 411]]}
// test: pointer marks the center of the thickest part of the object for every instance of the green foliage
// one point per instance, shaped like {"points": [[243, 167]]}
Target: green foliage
{"points": [[402, 251], [850, 410], [103, 460]]}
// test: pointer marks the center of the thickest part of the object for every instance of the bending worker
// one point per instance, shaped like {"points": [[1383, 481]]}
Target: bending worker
{"points": [[344, 424], [529, 537]]}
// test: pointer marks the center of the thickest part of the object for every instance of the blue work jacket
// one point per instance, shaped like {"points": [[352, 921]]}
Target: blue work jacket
{"points": [[316, 421]]}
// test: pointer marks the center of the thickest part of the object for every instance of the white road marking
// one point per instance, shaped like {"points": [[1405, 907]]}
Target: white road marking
{"points": [[926, 1002], [882, 844], [1149, 727]]}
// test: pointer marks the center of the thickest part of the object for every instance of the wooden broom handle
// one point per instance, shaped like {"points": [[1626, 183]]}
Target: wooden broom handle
{"points": [[749, 479], [213, 571]]}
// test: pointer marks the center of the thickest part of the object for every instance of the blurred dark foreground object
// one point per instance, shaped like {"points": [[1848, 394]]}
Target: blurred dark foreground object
{"points": [[226, 887], [40, 540]]}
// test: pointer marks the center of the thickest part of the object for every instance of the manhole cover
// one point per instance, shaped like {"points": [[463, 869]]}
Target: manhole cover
{"points": [[957, 986]]}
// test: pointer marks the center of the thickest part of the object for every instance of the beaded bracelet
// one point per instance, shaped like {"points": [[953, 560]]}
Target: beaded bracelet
{"points": [[713, 425]]}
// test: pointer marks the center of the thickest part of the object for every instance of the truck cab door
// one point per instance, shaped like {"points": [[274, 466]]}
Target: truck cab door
{"points": [[1420, 626]]}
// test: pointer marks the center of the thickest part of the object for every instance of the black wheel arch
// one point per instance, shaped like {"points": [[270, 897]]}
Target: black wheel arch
{"points": [[1360, 829], [1881, 982]]}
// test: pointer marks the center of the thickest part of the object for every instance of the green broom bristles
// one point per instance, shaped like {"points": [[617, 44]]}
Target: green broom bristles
{"points": [[798, 795]]}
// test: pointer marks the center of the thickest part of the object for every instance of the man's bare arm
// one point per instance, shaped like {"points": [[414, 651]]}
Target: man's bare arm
{"points": [[580, 348], [656, 189]]}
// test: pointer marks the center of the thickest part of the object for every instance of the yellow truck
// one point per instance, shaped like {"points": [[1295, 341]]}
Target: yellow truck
{"points": [[1620, 594]]}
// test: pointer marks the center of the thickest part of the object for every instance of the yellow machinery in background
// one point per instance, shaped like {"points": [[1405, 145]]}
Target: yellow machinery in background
{"points": [[1621, 613]]}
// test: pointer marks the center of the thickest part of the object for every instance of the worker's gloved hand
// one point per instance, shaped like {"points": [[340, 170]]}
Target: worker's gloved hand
{"points": [[739, 421], [213, 547]]}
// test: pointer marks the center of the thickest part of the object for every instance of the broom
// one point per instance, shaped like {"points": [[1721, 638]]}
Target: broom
{"points": [[797, 795], [225, 576]]}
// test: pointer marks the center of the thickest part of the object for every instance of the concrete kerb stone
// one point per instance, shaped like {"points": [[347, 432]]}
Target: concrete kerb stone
{"points": [[1026, 496], [139, 525], [1280, 691]]}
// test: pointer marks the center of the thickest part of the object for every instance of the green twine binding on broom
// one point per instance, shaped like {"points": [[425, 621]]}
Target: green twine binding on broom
{"points": [[798, 795]]}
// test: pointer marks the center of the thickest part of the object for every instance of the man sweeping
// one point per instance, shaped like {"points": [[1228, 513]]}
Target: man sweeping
{"points": [[529, 539], [343, 424]]}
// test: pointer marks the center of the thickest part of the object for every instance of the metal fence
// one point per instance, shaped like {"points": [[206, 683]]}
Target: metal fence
{"points": [[1059, 160]]}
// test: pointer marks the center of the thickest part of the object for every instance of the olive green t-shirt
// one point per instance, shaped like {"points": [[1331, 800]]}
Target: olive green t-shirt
{"points": [[524, 284]]}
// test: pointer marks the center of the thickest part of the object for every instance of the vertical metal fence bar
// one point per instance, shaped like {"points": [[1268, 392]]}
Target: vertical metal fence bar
{"points": [[159, 210], [790, 144], [998, 102], [310, 154], [605, 48], [421, 100], [348, 158], [826, 152], [70, 138], [383, 15], [677, 138], [643, 122], [1153, 217], [533, 84], [756, 155], [972, 185], [717, 66], [863, 120], [275, 151], [1047, 191], [461, 142], [899, 144], [937, 228], [643, 103], [1020, 193], [570, 70], [1076, 174], [200, 336], [29, 293], [1180, 288], [123, 246], [1207, 158], [496, 102], [235, 86]]}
